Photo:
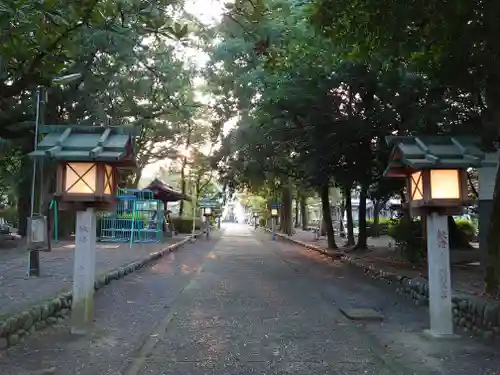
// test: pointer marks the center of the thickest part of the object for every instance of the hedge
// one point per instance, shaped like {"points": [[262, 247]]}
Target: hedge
{"points": [[383, 227], [409, 237], [185, 225], [467, 227]]}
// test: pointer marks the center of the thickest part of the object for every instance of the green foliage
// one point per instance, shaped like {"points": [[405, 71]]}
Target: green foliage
{"points": [[383, 227], [409, 236], [129, 54], [446, 50], [309, 113], [467, 227], [10, 215], [446, 40], [409, 239], [185, 225]]}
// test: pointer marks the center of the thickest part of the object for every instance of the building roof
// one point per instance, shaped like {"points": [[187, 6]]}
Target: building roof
{"points": [[414, 153], [87, 143], [165, 192]]}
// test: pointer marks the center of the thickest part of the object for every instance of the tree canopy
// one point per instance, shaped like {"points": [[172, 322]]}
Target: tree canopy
{"points": [[314, 107], [133, 72]]}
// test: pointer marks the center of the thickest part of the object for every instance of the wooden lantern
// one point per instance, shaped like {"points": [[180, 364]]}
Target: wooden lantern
{"points": [[436, 171], [207, 211], [439, 188], [88, 159], [274, 212]]}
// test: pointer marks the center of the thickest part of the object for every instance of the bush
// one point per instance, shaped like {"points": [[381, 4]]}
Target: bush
{"points": [[383, 227], [467, 228], [185, 225], [262, 222], [11, 217], [409, 239]]}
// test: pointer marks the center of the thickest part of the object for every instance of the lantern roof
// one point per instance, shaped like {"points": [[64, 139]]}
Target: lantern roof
{"points": [[416, 153], [87, 143]]}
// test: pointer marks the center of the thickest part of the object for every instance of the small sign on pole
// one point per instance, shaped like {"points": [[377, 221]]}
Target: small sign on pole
{"points": [[36, 241], [208, 206], [274, 217]]}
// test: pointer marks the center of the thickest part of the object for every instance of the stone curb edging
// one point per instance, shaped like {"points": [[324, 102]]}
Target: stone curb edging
{"points": [[22, 324], [471, 314], [319, 249]]}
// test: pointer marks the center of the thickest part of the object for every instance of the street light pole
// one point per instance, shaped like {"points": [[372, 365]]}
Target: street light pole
{"points": [[34, 254], [37, 121]]}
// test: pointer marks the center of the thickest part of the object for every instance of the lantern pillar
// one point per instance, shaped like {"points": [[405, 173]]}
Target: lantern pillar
{"points": [[438, 259], [82, 310], [207, 213], [273, 228]]}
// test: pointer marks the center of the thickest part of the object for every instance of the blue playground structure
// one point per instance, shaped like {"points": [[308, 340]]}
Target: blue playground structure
{"points": [[139, 218]]}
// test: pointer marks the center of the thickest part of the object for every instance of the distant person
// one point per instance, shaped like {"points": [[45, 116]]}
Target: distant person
{"points": [[169, 225]]}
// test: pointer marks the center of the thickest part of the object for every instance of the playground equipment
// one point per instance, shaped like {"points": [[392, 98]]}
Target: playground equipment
{"points": [[55, 227], [139, 218]]}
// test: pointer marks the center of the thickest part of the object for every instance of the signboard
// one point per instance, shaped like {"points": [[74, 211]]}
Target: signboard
{"points": [[36, 232], [207, 203]]}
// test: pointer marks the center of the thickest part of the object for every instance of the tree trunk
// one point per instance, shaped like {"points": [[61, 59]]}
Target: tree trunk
{"points": [[303, 212], [350, 225], [286, 224], [137, 178], [197, 188], [322, 227], [183, 185], [183, 167], [327, 216], [23, 188], [362, 219], [296, 225], [341, 220], [377, 206]]}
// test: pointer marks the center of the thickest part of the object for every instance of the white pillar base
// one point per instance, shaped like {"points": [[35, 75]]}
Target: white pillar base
{"points": [[438, 259], [437, 336], [82, 310]]}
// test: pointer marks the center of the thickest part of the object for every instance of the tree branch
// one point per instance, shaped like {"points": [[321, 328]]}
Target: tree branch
{"points": [[32, 76]]}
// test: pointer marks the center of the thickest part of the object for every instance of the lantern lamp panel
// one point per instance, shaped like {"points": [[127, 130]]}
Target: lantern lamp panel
{"points": [[445, 184], [80, 178], [108, 179], [274, 212], [416, 186]]}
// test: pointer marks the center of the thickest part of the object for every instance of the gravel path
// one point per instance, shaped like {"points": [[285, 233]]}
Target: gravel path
{"points": [[18, 292], [126, 312], [247, 312], [242, 304], [401, 330]]}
